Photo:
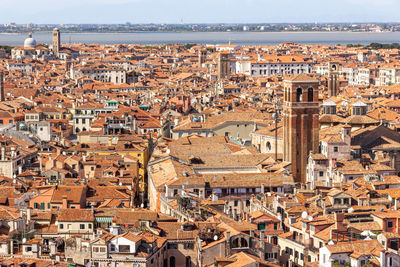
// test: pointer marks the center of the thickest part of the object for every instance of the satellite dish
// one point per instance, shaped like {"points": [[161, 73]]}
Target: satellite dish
{"points": [[310, 218], [304, 214], [215, 238]]}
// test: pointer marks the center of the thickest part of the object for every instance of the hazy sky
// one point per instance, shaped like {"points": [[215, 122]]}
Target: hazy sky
{"points": [[198, 11]]}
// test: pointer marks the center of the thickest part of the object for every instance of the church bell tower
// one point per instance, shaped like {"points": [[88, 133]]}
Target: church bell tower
{"points": [[300, 122], [333, 79], [56, 42]]}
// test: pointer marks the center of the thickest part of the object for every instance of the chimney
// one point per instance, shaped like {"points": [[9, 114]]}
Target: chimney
{"points": [[64, 202], [262, 188], [2, 98], [28, 214], [13, 152], [3, 153], [346, 134], [262, 245], [78, 242], [228, 242], [339, 217], [40, 164]]}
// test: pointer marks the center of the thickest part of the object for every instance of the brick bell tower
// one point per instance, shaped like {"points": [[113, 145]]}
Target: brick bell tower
{"points": [[300, 122], [333, 79]]}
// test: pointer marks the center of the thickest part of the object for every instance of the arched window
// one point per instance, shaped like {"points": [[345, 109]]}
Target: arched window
{"points": [[299, 95], [243, 243], [188, 261], [172, 261], [235, 243], [310, 94]]}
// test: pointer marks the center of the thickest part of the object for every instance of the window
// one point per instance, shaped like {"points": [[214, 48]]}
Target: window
{"points": [[321, 173], [82, 226], [27, 249], [335, 149], [188, 246], [90, 226], [389, 224], [235, 203], [102, 249], [175, 192], [269, 146], [172, 246], [61, 226], [310, 96], [35, 205], [95, 249], [124, 248], [299, 95]]}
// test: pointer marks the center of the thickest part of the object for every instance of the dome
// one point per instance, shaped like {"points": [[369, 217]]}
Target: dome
{"points": [[30, 42]]}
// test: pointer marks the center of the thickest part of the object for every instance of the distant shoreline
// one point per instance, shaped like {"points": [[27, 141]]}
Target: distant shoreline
{"points": [[247, 38], [253, 32]]}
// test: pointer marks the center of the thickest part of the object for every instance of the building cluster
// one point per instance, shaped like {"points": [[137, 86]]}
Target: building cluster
{"points": [[226, 155]]}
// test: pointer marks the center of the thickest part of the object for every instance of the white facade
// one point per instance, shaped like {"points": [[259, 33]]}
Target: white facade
{"points": [[103, 74], [262, 69]]}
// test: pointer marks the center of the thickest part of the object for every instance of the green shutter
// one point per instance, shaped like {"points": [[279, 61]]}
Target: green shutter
{"points": [[35, 205], [42, 206]]}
